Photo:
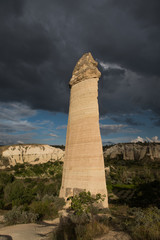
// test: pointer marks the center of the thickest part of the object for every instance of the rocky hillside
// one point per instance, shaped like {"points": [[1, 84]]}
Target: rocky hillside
{"points": [[134, 151], [36, 153], [32, 154]]}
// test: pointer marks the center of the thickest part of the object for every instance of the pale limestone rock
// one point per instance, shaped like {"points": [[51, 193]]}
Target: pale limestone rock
{"points": [[83, 162], [133, 151], [32, 154], [86, 68]]}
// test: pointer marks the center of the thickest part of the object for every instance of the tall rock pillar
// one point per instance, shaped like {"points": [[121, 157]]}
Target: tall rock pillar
{"points": [[84, 163]]}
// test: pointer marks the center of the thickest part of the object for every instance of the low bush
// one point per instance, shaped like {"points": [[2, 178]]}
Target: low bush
{"points": [[45, 169], [145, 224], [82, 223], [44, 210], [18, 216], [17, 193], [47, 208], [58, 203], [79, 228], [84, 202], [6, 178], [42, 189]]}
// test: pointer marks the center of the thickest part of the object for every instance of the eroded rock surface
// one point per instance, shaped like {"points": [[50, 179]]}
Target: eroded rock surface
{"points": [[134, 151], [32, 154], [86, 68], [84, 163]]}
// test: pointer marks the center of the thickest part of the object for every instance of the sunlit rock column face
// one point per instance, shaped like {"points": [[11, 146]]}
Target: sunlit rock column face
{"points": [[84, 163]]}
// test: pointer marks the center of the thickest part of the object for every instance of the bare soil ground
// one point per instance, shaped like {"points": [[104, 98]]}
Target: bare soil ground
{"points": [[115, 235], [30, 231], [34, 231]]}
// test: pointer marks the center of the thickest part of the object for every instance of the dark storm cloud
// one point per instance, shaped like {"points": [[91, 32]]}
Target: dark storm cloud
{"points": [[127, 120], [107, 129], [146, 12], [157, 122], [11, 8], [41, 42]]}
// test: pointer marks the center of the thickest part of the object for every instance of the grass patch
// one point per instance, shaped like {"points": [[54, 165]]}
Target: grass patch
{"points": [[124, 186]]}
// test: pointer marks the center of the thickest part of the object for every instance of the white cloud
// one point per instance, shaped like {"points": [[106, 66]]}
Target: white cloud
{"points": [[16, 126], [7, 139], [147, 139], [103, 118], [20, 142], [112, 126], [106, 65], [13, 123], [116, 140], [155, 139], [53, 135], [15, 111], [138, 139]]}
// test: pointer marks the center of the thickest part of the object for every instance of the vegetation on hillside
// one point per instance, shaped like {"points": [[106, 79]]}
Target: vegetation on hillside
{"points": [[134, 197], [30, 192]]}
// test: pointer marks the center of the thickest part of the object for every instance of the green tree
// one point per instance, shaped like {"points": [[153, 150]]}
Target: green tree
{"points": [[84, 202]]}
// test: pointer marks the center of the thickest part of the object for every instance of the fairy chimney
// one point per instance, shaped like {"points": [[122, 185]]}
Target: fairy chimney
{"points": [[84, 163]]}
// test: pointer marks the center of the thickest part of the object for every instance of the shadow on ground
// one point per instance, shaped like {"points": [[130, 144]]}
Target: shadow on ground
{"points": [[144, 195], [5, 237]]}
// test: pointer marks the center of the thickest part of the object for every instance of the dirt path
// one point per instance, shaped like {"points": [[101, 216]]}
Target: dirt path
{"points": [[35, 231], [30, 231], [114, 235]]}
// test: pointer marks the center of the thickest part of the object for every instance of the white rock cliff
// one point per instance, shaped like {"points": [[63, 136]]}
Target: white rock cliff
{"points": [[32, 154], [134, 151]]}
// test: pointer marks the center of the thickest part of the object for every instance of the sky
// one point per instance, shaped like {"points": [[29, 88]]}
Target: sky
{"points": [[40, 43]]}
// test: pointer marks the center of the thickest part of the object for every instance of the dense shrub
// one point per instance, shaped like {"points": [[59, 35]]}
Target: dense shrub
{"points": [[42, 189], [42, 209], [84, 202], [6, 178], [17, 193], [46, 169], [146, 194], [58, 203], [1, 203], [47, 208], [145, 224]]}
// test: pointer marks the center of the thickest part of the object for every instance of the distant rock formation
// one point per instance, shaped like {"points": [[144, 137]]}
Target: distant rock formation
{"points": [[134, 151], [84, 163], [32, 154]]}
